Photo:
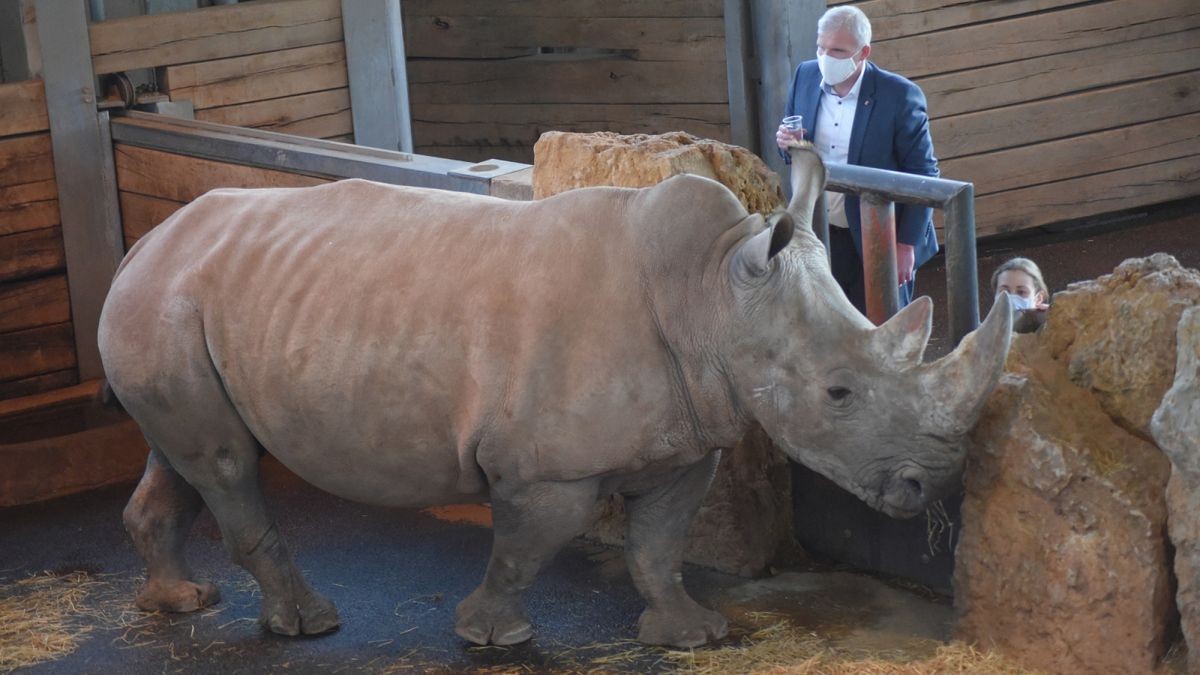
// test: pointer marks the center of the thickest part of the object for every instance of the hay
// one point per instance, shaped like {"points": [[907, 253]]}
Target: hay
{"points": [[37, 618]]}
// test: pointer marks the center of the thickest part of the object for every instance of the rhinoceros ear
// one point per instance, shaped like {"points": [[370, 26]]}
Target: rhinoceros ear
{"points": [[755, 255], [901, 340]]}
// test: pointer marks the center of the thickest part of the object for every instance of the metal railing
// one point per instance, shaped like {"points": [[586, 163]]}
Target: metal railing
{"points": [[878, 191]]}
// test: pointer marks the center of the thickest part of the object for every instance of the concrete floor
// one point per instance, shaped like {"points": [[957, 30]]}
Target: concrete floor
{"points": [[396, 577]]}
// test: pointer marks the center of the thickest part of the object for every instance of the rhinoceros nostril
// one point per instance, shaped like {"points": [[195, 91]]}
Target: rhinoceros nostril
{"points": [[914, 485]]}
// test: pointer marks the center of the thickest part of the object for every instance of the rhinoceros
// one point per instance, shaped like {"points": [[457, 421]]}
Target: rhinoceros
{"points": [[411, 347]]}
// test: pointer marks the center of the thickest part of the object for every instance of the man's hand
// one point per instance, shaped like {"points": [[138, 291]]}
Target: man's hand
{"points": [[906, 259], [786, 138]]}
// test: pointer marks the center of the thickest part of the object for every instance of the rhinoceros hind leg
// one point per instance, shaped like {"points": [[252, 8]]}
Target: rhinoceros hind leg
{"points": [[529, 527], [158, 517], [658, 523]]}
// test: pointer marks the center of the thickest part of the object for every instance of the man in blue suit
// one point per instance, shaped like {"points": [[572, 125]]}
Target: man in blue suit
{"points": [[857, 113]]}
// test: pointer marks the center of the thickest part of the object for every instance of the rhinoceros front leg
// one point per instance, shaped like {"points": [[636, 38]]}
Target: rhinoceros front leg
{"points": [[658, 523], [158, 517], [530, 525]]}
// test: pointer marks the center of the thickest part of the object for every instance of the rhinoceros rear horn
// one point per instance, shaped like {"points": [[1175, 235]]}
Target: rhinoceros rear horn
{"points": [[755, 255], [958, 384]]}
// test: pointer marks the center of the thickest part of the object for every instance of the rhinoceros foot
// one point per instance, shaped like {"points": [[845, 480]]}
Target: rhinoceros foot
{"points": [[681, 626], [485, 619], [177, 596], [315, 614]]}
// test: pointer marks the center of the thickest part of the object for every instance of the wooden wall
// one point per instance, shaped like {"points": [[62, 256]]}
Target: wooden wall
{"points": [[152, 184], [1055, 109], [37, 343], [279, 66], [487, 78]]}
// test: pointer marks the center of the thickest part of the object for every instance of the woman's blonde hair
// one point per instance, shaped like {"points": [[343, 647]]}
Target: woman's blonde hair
{"points": [[1022, 265]]}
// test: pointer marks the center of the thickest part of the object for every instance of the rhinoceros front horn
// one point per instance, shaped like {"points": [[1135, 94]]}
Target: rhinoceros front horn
{"points": [[958, 384]]}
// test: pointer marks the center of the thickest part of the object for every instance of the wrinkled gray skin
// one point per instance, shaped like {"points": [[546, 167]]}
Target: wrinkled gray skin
{"points": [[411, 347]]}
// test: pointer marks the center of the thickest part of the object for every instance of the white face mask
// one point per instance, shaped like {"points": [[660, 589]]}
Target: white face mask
{"points": [[835, 71], [1019, 303]]}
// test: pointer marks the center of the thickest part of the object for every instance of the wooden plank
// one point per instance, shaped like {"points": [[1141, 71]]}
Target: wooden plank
{"points": [[549, 80], [1063, 116], [1077, 156], [318, 115], [36, 351], [182, 179], [23, 108], [49, 383], [39, 302], [564, 8], [502, 125], [1072, 29], [1043, 77], [258, 77], [1088, 196], [140, 214], [32, 206], [71, 394], [491, 37], [29, 254], [213, 33], [899, 18], [26, 159]]}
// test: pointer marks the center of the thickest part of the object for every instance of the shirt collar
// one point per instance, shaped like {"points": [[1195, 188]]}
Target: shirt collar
{"points": [[853, 93]]}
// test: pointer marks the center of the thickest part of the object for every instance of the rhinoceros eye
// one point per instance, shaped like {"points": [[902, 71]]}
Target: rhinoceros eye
{"points": [[839, 396]]}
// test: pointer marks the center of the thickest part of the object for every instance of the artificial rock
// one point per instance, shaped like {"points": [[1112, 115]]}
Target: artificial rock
{"points": [[565, 161], [1063, 559]]}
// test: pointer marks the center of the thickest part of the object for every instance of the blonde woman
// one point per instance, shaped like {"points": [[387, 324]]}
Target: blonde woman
{"points": [[1022, 280]]}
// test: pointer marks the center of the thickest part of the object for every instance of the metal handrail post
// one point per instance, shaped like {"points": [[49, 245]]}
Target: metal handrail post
{"points": [[879, 257], [962, 273]]}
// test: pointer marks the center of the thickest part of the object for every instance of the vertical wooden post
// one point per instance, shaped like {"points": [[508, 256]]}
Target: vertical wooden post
{"points": [[83, 169], [739, 71], [879, 257], [378, 74]]}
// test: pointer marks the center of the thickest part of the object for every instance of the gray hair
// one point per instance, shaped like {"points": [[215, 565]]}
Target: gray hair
{"points": [[848, 17]]}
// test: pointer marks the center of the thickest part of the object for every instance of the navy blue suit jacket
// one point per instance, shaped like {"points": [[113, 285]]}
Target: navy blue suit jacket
{"points": [[891, 131]]}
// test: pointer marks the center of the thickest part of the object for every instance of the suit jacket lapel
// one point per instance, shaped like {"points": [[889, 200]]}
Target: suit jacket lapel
{"points": [[862, 114], [811, 103]]}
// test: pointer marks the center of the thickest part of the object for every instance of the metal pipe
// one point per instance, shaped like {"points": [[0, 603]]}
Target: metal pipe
{"points": [[962, 274], [901, 187], [820, 222], [879, 257], [96, 10]]}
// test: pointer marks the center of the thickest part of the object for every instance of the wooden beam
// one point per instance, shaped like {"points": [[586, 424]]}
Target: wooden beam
{"points": [[23, 108], [566, 81], [30, 387], [1087, 196], [212, 33], [258, 77], [1063, 116], [375, 56], [1072, 29], [32, 206], [35, 351], [1078, 156], [565, 8], [321, 114], [25, 159], [30, 254], [182, 179], [739, 75], [79, 392], [892, 19], [142, 213], [497, 37], [38, 302], [1042, 77], [91, 221]]}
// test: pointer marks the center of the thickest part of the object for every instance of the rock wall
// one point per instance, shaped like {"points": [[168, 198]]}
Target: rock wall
{"points": [[1063, 561], [1176, 428], [746, 519]]}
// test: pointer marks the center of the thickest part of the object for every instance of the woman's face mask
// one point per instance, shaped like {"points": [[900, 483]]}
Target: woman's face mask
{"points": [[1019, 303], [1020, 288]]}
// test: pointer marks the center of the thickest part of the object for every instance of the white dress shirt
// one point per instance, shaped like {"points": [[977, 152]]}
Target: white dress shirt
{"points": [[835, 120]]}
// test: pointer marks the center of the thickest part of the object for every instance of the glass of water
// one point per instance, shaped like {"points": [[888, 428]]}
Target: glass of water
{"points": [[793, 122]]}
